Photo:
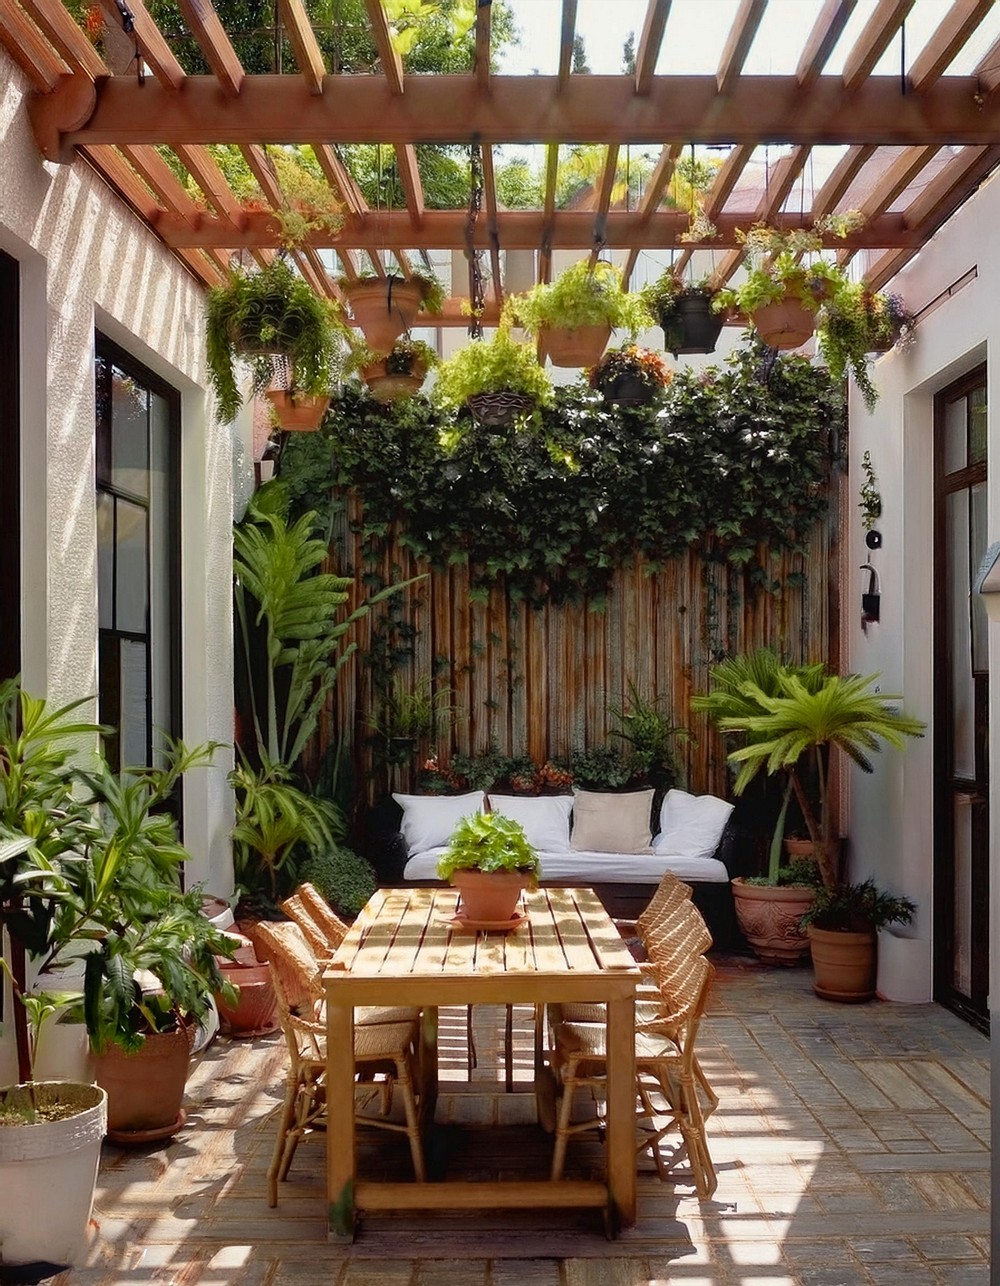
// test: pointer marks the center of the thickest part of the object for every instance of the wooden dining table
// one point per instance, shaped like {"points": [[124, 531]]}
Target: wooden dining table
{"points": [[405, 948]]}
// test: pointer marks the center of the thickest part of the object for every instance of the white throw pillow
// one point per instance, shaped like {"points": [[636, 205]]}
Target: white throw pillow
{"points": [[612, 823], [428, 820], [691, 825], [545, 818]]}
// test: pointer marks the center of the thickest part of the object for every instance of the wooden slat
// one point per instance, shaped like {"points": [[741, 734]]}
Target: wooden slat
{"points": [[392, 64], [952, 185], [726, 179], [780, 182], [308, 55], [29, 49], [659, 180], [842, 176], [738, 43], [548, 210], [822, 40], [650, 41], [957, 25], [55, 21], [155, 50], [876, 37], [340, 179], [152, 168], [204, 168], [205, 26], [987, 71], [566, 33], [409, 174], [481, 55], [896, 178]]}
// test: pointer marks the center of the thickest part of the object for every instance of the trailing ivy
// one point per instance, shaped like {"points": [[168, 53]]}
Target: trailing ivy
{"points": [[730, 461]]}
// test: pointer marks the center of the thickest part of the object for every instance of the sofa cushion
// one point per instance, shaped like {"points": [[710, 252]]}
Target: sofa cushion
{"points": [[428, 820], [606, 822], [691, 825], [545, 818], [587, 869]]}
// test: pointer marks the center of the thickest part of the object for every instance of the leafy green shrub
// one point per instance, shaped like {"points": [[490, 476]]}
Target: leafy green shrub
{"points": [[501, 364], [584, 295], [346, 880], [605, 768], [488, 842]]}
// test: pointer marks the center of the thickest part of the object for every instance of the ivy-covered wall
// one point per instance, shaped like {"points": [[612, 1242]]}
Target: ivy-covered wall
{"points": [[583, 550]]}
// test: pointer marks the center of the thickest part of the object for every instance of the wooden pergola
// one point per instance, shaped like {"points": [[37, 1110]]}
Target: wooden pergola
{"points": [[914, 146]]}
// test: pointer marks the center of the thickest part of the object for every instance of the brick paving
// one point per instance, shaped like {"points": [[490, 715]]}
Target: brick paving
{"points": [[852, 1145]]}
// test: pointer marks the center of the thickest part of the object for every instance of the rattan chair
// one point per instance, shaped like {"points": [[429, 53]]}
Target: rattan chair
{"points": [[385, 1054], [666, 1080], [323, 928]]}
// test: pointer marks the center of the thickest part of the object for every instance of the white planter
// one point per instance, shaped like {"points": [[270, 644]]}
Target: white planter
{"points": [[63, 1053], [904, 968], [47, 1177]]}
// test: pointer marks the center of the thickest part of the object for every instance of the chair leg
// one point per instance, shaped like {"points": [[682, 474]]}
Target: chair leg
{"points": [[404, 1079], [471, 1057], [562, 1121], [508, 1050], [285, 1120]]}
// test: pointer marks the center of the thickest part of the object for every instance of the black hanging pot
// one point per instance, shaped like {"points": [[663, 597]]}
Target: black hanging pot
{"points": [[691, 327], [628, 390]]}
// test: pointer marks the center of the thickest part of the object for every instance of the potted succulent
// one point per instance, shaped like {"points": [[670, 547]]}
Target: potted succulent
{"points": [[842, 925], [798, 725], [496, 379], [489, 860], [854, 322], [258, 317], [629, 376], [782, 293], [685, 312], [394, 375], [384, 307], [573, 316]]}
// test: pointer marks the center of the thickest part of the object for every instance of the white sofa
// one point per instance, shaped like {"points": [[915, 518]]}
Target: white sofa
{"points": [[601, 840]]}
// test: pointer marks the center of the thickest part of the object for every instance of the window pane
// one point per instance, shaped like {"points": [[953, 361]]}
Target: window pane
{"points": [[956, 593], [977, 539], [160, 623], [134, 704], [977, 425], [129, 446], [955, 438], [962, 966], [131, 600], [105, 561]]}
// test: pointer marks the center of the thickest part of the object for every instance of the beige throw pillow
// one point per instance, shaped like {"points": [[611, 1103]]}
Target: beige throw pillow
{"points": [[612, 823]]}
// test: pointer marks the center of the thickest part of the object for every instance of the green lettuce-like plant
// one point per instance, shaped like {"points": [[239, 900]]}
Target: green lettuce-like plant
{"points": [[584, 295], [489, 842], [500, 364], [258, 316]]}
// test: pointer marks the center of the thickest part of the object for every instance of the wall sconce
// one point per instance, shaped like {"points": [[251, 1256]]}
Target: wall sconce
{"points": [[870, 601], [987, 581]]}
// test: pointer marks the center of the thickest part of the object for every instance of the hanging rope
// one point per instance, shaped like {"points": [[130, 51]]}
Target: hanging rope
{"points": [[477, 288]]}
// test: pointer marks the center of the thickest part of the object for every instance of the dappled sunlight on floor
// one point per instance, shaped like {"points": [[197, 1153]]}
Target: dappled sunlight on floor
{"points": [[851, 1144]]}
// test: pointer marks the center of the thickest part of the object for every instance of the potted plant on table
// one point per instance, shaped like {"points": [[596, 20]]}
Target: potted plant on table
{"points": [[799, 724], [385, 307], [629, 376], [685, 312], [496, 379], [490, 861], [274, 324], [573, 316]]}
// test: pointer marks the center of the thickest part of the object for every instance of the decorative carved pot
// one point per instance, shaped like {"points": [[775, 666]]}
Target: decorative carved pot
{"points": [[769, 918]]}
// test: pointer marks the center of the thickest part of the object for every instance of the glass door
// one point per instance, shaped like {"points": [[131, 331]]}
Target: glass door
{"points": [[961, 852]]}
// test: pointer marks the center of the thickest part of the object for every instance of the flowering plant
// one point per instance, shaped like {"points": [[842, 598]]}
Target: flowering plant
{"points": [[642, 364]]}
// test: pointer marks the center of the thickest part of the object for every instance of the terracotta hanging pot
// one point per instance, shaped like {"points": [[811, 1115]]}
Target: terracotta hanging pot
{"points": [[383, 309], [581, 346], [298, 412], [385, 387], [785, 324]]}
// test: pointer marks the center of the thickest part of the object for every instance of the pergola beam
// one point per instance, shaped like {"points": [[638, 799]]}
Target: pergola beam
{"points": [[738, 44], [409, 176], [481, 55], [874, 40], [649, 44], [308, 55], [822, 40], [55, 21], [531, 109], [567, 31], [392, 64], [958, 24], [29, 49], [340, 179], [205, 26], [726, 179], [156, 53], [843, 175]]}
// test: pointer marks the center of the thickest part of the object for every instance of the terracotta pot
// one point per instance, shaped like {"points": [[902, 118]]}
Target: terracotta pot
{"points": [[489, 897], [785, 324], [255, 1011], [300, 411], [769, 917], [582, 346], [145, 1089], [392, 388], [798, 848], [844, 964], [383, 309]]}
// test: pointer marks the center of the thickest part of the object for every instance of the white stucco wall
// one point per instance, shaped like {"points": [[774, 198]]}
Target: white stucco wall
{"points": [[891, 811], [87, 262]]}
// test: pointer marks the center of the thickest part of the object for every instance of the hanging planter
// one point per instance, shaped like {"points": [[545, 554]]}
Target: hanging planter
{"points": [[577, 347], [399, 374], [495, 379], [629, 376], [785, 324], [500, 409], [686, 314], [573, 316], [297, 412], [385, 308]]}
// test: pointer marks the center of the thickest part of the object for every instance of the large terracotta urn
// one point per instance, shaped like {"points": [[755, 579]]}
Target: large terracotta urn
{"points": [[769, 917]]}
